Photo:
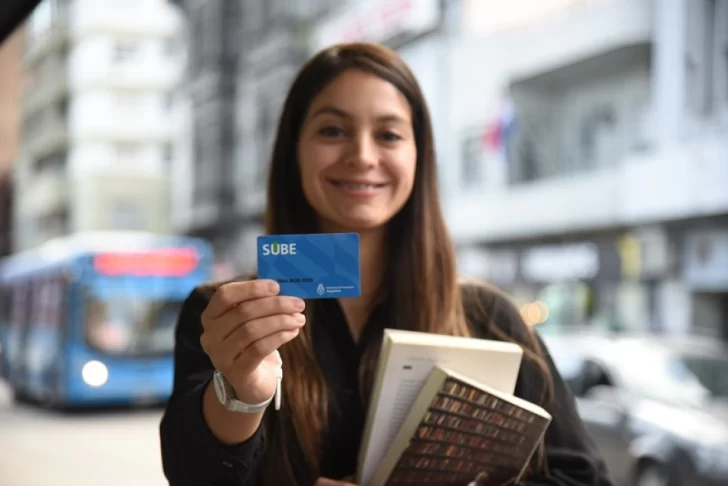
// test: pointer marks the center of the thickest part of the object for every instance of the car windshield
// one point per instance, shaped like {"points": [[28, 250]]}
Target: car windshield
{"points": [[659, 375], [132, 326], [712, 372]]}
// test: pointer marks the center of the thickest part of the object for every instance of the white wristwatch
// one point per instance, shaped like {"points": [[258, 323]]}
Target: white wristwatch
{"points": [[226, 395]]}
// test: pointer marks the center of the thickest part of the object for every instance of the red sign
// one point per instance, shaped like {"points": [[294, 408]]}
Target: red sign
{"points": [[167, 262]]}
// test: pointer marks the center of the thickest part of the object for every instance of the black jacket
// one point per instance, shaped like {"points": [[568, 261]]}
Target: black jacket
{"points": [[192, 456]]}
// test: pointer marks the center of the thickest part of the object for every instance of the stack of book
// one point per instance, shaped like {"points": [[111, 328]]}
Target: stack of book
{"points": [[443, 413]]}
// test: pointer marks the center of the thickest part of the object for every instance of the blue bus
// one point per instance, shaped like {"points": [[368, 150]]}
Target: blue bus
{"points": [[89, 319]]}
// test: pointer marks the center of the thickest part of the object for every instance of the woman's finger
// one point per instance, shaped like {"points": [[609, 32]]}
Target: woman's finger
{"points": [[231, 294], [249, 311], [333, 482]]}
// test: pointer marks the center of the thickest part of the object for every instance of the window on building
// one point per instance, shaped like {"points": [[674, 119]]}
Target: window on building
{"points": [[52, 162], [167, 154], [471, 171], [720, 56], [252, 13], [267, 11], [57, 223], [61, 109], [128, 99], [129, 106], [171, 47], [207, 152], [128, 154], [701, 25], [596, 135], [265, 129], [167, 100], [232, 23], [209, 34], [526, 166], [32, 126], [53, 225], [125, 51], [127, 215]]}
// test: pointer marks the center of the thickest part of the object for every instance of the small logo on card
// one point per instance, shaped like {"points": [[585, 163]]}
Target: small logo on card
{"points": [[320, 289], [276, 248]]}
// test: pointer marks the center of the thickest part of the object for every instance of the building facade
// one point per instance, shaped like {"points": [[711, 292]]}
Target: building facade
{"points": [[591, 145], [204, 124], [95, 118], [280, 40], [10, 88], [277, 35], [243, 55], [270, 41]]}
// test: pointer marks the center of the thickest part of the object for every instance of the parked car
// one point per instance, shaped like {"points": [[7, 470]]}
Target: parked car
{"points": [[656, 406]]}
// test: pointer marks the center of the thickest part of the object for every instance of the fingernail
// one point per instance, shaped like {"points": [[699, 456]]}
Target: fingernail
{"points": [[300, 318], [273, 286], [300, 304]]}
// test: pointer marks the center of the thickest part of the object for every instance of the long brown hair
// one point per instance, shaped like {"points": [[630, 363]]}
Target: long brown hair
{"points": [[421, 282]]}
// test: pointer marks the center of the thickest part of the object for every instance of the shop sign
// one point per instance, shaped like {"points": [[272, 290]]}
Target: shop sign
{"points": [[561, 263], [377, 21]]}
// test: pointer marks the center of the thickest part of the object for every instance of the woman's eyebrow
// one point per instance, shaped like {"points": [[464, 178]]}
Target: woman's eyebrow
{"points": [[338, 112]]}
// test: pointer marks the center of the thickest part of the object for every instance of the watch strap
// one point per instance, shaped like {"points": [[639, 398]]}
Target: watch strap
{"points": [[234, 405]]}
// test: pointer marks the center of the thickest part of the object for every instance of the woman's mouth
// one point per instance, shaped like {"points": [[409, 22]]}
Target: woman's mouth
{"points": [[358, 188]]}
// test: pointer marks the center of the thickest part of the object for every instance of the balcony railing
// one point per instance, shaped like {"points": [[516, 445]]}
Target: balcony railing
{"points": [[46, 193], [48, 133], [48, 85], [53, 39]]}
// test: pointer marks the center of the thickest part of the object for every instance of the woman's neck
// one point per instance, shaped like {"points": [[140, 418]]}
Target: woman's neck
{"points": [[372, 257]]}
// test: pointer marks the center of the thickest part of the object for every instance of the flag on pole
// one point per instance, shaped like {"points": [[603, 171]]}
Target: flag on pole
{"points": [[498, 132]]}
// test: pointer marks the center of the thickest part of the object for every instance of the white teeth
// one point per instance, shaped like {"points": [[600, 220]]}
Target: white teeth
{"points": [[358, 187]]}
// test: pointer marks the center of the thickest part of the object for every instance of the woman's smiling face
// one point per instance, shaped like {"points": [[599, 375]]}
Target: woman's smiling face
{"points": [[357, 153]]}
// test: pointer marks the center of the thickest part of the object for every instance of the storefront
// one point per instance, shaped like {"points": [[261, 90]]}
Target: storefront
{"points": [[598, 281], [705, 270]]}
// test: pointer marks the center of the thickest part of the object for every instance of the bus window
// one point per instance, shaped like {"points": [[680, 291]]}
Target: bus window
{"points": [[58, 297], [5, 304], [38, 303], [19, 306], [131, 326], [5, 307], [48, 304], [19, 320]]}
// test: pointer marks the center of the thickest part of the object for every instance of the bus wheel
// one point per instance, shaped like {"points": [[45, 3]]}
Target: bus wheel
{"points": [[50, 400], [22, 398]]}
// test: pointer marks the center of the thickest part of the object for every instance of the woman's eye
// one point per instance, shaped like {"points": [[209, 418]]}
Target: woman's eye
{"points": [[331, 132], [390, 137]]}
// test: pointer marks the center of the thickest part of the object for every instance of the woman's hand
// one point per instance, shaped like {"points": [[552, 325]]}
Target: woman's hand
{"points": [[243, 326], [333, 482]]}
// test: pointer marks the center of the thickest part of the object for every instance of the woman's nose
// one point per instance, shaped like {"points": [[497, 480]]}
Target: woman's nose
{"points": [[363, 152]]}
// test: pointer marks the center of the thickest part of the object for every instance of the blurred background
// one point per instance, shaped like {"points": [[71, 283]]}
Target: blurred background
{"points": [[583, 161]]}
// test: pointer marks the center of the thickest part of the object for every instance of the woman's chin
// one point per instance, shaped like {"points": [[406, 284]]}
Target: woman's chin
{"points": [[357, 223]]}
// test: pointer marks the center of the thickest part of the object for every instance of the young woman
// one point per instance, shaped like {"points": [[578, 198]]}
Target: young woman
{"points": [[354, 152]]}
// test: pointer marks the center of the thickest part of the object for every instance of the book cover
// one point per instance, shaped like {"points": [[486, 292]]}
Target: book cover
{"points": [[405, 363], [460, 431]]}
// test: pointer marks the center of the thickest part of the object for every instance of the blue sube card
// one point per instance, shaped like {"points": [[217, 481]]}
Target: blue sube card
{"points": [[315, 266]]}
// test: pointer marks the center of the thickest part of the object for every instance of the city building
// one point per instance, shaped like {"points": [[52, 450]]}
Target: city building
{"points": [[242, 56], [277, 37], [589, 147], [268, 42], [95, 118], [278, 40], [205, 125], [10, 88]]}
